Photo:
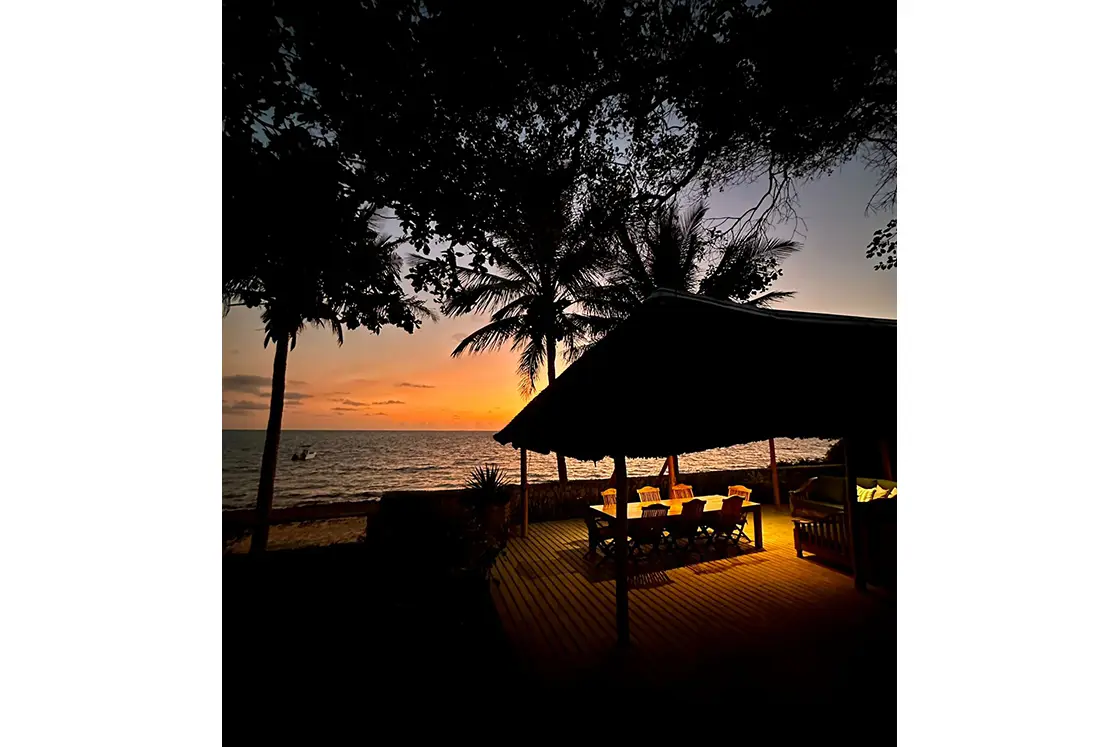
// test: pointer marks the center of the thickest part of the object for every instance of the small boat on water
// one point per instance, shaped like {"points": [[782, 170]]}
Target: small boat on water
{"points": [[303, 454]]}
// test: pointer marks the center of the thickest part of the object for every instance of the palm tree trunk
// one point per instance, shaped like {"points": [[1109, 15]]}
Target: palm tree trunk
{"points": [[550, 349], [271, 449]]}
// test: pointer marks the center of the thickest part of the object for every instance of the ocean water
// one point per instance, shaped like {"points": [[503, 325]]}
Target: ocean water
{"points": [[350, 465]]}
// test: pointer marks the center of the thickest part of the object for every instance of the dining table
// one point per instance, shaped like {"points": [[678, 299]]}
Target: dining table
{"points": [[712, 503]]}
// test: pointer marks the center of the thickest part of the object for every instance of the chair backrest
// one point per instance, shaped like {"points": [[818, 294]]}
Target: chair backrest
{"points": [[681, 492], [610, 497], [650, 494], [692, 510], [654, 519], [742, 490], [732, 507]]}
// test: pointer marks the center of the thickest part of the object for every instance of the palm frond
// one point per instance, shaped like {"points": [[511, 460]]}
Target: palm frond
{"points": [[768, 299], [529, 365], [692, 240], [489, 337], [417, 306], [748, 266]]}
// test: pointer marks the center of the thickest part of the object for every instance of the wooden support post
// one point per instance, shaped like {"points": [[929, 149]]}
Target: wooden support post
{"points": [[885, 450], [524, 493], [852, 523], [673, 475], [774, 474], [621, 602]]}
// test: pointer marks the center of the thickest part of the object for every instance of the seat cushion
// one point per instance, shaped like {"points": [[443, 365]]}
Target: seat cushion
{"points": [[817, 510], [827, 489]]}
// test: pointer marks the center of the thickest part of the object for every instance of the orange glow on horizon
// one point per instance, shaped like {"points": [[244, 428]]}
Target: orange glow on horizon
{"points": [[392, 381]]}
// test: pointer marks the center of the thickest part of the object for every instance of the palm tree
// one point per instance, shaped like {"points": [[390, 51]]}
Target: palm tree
{"points": [[541, 270], [669, 251], [305, 249]]}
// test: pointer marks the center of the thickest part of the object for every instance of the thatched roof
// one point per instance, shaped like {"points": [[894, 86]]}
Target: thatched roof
{"points": [[686, 373]]}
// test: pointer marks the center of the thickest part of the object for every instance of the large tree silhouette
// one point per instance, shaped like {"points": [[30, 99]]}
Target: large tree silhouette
{"points": [[445, 102], [302, 246]]}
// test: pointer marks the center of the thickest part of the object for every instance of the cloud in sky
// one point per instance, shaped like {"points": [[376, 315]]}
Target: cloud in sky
{"points": [[383, 414], [242, 407], [346, 409], [250, 384], [389, 402], [245, 383], [289, 397], [410, 385], [242, 404], [350, 403], [457, 338]]}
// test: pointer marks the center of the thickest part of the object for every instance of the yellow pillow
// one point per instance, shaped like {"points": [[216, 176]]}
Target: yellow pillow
{"points": [[863, 495], [893, 493]]}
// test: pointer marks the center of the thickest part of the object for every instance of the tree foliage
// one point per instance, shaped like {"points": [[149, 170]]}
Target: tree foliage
{"points": [[454, 110], [300, 235], [533, 284], [303, 246], [884, 245], [673, 250]]}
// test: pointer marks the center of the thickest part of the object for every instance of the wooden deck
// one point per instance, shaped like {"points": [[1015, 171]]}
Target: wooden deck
{"points": [[764, 616]]}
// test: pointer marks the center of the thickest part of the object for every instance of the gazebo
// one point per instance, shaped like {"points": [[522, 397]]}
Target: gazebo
{"points": [[686, 373]]}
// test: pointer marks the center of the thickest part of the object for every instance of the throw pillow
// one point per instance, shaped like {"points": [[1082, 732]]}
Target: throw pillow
{"points": [[863, 495], [893, 493], [880, 493]]}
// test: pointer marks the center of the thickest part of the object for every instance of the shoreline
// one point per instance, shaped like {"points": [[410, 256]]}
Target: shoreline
{"points": [[376, 495]]}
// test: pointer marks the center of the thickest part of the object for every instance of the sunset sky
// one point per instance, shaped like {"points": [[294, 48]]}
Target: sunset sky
{"points": [[397, 381]]}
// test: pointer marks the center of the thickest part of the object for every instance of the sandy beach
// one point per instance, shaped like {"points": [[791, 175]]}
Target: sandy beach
{"points": [[303, 535]]}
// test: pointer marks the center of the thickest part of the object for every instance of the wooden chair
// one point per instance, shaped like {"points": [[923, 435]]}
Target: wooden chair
{"points": [[728, 523], [681, 492], [600, 534], [740, 490], [650, 529], [610, 497], [685, 527], [651, 494]]}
